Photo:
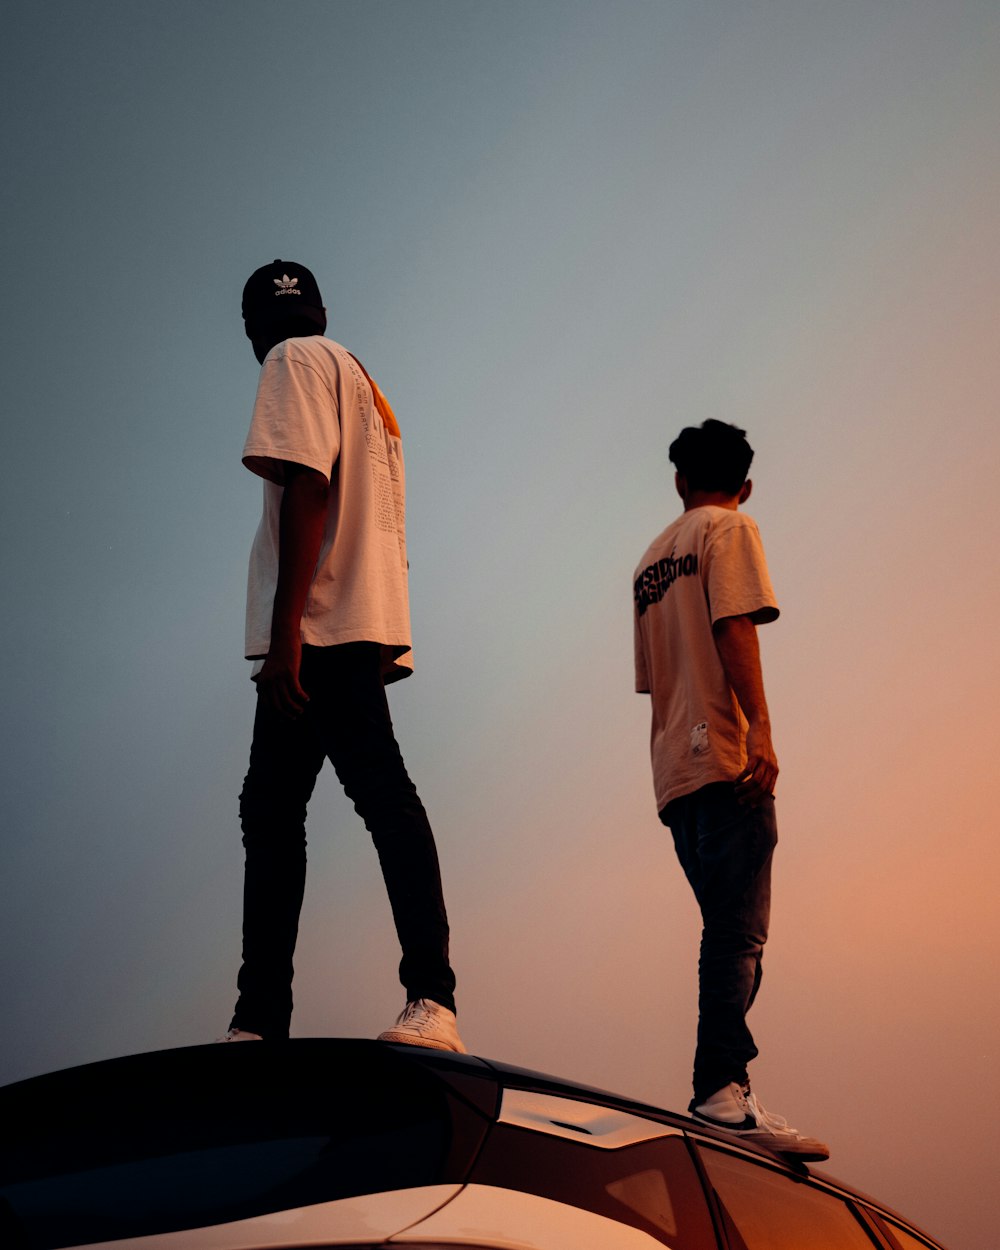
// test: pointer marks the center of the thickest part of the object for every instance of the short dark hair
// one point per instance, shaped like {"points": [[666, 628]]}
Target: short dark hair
{"points": [[712, 456]]}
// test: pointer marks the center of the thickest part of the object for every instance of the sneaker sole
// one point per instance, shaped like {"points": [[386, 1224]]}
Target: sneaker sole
{"points": [[808, 1149], [407, 1039]]}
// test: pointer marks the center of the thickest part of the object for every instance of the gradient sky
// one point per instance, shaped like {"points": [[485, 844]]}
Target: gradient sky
{"points": [[556, 233]]}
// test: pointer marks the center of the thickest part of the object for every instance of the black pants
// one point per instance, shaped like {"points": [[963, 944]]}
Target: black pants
{"points": [[346, 721], [725, 850]]}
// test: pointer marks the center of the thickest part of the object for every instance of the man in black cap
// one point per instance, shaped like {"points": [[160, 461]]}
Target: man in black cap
{"points": [[327, 627]]}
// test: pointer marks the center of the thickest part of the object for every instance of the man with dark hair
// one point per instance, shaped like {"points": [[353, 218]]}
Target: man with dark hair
{"points": [[327, 627], [700, 592]]}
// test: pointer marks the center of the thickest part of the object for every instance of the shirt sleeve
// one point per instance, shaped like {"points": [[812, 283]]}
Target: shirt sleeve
{"points": [[737, 580], [295, 419]]}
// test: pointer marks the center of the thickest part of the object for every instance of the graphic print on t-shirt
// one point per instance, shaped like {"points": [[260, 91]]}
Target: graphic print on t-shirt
{"points": [[699, 738], [656, 579]]}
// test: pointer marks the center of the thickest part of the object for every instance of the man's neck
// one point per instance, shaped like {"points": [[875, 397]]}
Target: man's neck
{"points": [[711, 498]]}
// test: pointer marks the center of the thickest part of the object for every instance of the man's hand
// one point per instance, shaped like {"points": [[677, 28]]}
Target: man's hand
{"points": [[278, 681], [756, 782]]}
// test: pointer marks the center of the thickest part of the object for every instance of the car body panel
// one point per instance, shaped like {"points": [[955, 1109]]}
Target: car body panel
{"points": [[368, 1218], [490, 1216], [470, 1215]]}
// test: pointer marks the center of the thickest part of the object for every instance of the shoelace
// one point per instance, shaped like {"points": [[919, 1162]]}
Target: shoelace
{"points": [[419, 1015], [776, 1123]]}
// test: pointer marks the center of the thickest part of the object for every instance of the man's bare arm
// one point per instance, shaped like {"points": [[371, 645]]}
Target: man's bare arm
{"points": [[301, 524], [739, 651]]}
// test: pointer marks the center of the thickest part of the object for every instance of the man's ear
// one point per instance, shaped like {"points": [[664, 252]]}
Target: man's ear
{"points": [[745, 490], [680, 481]]}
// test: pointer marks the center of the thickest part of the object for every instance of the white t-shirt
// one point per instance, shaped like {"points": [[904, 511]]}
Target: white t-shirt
{"points": [[707, 565], [315, 407]]}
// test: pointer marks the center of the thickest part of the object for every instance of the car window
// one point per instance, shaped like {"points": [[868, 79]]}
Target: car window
{"points": [[126, 1149], [771, 1210]]}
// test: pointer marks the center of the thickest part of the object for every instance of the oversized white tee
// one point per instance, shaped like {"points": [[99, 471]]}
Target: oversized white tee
{"points": [[315, 407], [707, 565]]}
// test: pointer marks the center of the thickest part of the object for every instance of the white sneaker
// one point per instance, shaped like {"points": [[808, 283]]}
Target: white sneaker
{"points": [[423, 1022], [240, 1035], [736, 1110]]}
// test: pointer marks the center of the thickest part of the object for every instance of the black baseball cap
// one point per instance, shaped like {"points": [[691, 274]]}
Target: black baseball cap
{"points": [[280, 289]]}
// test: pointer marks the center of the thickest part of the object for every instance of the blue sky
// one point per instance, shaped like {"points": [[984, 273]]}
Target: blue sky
{"points": [[556, 233]]}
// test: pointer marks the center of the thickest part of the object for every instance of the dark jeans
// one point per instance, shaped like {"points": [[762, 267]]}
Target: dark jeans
{"points": [[725, 850], [346, 721]]}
